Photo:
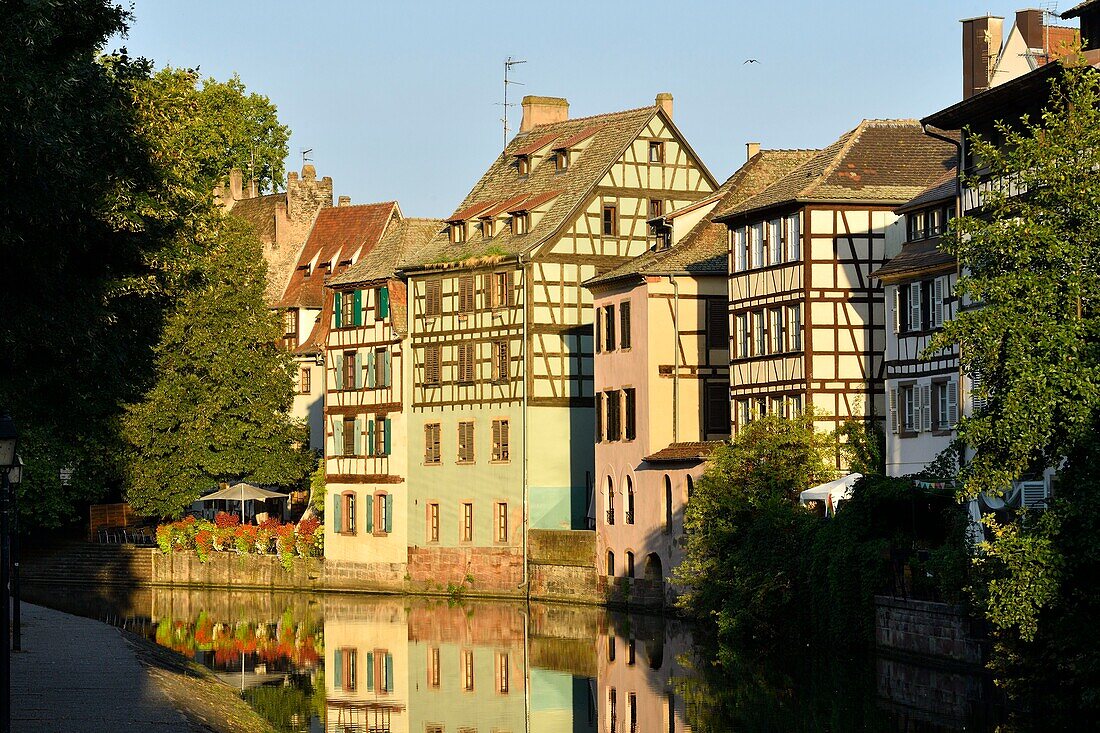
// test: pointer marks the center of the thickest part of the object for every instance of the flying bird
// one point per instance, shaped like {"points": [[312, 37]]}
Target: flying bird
{"points": [[751, 61]]}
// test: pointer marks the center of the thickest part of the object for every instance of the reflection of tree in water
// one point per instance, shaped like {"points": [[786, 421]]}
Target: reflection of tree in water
{"points": [[289, 707]]}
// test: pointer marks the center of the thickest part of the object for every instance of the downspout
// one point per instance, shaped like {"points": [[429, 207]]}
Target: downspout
{"points": [[675, 358], [523, 421]]}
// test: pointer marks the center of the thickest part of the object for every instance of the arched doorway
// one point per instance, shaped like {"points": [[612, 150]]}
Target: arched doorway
{"points": [[653, 569]]}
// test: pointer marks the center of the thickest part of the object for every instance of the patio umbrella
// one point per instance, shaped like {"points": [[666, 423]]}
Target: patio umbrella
{"points": [[243, 492]]}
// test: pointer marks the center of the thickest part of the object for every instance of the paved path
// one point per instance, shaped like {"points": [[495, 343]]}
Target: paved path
{"points": [[77, 675]]}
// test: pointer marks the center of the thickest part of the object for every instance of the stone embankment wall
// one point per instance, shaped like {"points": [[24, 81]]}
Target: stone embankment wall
{"points": [[925, 629], [561, 566]]}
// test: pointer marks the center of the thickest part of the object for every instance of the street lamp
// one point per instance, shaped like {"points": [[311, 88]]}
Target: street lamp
{"points": [[11, 472]]}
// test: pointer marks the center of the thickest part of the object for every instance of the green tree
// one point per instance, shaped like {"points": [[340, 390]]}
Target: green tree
{"points": [[744, 531], [219, 408]]}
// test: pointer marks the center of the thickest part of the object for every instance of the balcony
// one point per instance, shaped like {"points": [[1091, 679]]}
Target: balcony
{"points": [[630, 516], [610, 516]]}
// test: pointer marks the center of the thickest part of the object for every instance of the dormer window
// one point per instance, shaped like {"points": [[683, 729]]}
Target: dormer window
{"points": [[487, 228], [520, 222], [458, 232], [523, 165], [561, 160], [656, 151]]}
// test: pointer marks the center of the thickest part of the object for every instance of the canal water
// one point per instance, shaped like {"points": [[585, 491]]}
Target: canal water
{"points": [[374, 664]]}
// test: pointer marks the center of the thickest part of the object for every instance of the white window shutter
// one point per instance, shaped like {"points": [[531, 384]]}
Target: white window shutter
{"points": [[895, 426], [793, 250], [914, 307], [338, 363], [337, 436], [937, 302], [897, 309], [952, 403], [371, 366], [926, 407]]}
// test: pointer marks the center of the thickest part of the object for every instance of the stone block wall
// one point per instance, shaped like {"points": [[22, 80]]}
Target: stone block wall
{"points": [[945, 697], [926, 629], [562, 547], [480, 570]]}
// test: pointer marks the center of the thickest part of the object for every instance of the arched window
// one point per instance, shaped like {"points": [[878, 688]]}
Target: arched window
{"points": [[629, 501], [610, 501], [610, 564], [690, 487], [629, 564], [668, 504]]}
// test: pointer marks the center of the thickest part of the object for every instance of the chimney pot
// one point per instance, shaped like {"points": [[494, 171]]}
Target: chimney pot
{"points": [[751, 149], [236, 183], [344, 201], [664, 101], [543, 111], [292, 176]]}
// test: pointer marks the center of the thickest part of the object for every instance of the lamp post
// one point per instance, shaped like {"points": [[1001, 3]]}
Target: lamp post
{"points": [[10, 471]]}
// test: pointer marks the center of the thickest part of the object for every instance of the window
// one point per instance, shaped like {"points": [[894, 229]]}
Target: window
{"points": [[502, 670], [500, 290], [760, 347], [433, 666], [718, 409], [521, 222], [718, 330], [381, 364], [609, 327], [500, 441], [382, 514], [431, 364], [487, 228], [466, 441], [465, 363], [381, 303], [610, 220], [290, 323], [350, 433], [614, 416], [351, 371], [656, 151], [629, 501], [656, 208], [794, 328], [775, 330], [947, 405], [501, 361], [466, 294], [794, 239], [458, 232], [305, 380], [610, 563], [631, 407], [741, 249], [599, 417], [433, 298], [347, 309], [756, 234], [523, 164], [343, 509], [629, 574], [431, 533], [598, 329], [468, 670], [624, 324], [775, 241], [905, 409], [378, 437], [744, 336], [938, 293], [744, 413], [500, 521], [466, 530], [344, 668], [794, 405], [668, 504], [610, 501], [561, 160]]}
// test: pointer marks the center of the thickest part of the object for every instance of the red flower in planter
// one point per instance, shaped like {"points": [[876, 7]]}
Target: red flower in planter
{"points": [[225, 519]]}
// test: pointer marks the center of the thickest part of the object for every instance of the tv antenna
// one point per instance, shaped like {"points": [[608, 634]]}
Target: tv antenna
{"points": [[508, 64], [305, 156]]}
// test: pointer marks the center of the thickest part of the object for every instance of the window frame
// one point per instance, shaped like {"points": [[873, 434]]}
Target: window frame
{"points": [[500, 523], [466, 522], [658, 147], [433, 298], [431, 527], [501, 436], [466, 447], [305, 380], [609, 225]]}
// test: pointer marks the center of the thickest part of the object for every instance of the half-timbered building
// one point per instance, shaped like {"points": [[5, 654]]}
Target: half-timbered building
{"points": [[502, 394], [339, 236], [661, 372], [366, 456], [922, 389]]}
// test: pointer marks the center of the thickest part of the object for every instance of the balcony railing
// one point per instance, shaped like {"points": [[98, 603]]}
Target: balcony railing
{"points": [[610, 516], [630, 516]]}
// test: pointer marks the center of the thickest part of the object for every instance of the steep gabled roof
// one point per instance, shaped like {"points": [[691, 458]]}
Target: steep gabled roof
{"points": [[703, 249], [402, 240], [506, 188], [879, 161], [340, 234], [922, 257]]}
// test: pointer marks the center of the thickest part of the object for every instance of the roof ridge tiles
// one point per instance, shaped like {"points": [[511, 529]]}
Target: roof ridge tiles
{"points": [[602, 115]]}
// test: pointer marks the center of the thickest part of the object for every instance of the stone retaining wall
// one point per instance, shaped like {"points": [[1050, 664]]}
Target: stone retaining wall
{"points": [[925, 629]]}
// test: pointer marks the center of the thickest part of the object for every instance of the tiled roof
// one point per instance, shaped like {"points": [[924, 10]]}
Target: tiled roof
{"points": [[402, 239], [566, 143], [679, 452], [915, 258], [1078, 9], [533, 146], [502, 183], [703, 249], [1058, 40], [880, 161], [945, 188], [339, 234], [260, 213]]}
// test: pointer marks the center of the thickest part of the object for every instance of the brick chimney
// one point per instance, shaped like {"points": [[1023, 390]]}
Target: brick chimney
{"points": [[344, 201], [982, 40], [751, 149], [1030, 23], [664, 101], [543, 111]]}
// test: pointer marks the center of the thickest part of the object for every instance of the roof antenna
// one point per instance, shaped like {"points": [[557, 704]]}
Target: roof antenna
{"points": [[508, 64], [305, 156]]}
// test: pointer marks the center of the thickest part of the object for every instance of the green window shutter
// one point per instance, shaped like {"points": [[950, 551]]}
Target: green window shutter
{"points": [[338, 668], [338, 310], [370, 438], [357, 305], [339, 364], [388, 364], [358, 370], [358, 439], [338, 436], [389, 672], [383, 302], [370, 370], [370, 670], [351, 513], [370, 513], [386, 435], [389, 512], [337, 519]]}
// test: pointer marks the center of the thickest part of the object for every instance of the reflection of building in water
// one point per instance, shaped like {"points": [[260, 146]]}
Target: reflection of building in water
{"points": [[366, 666], [638, 667]]}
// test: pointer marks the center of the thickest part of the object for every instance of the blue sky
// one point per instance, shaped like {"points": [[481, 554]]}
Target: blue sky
{"points": [[400, 100]]}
